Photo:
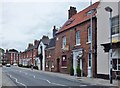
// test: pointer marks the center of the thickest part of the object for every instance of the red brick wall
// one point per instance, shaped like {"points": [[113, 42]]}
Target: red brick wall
{"points": [[51, 53], [70, 35]]}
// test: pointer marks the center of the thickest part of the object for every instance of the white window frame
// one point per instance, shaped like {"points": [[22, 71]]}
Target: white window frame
{"points": [[116, 64], [89, 34], [89, 60], [78, 38], [115, 26], [64, 42]]}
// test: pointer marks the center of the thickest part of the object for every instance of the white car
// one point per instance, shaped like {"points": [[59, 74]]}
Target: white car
{"points": [[8, 65], [0, 65], [15, 64]]}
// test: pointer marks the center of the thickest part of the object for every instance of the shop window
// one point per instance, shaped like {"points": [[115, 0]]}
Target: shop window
{"points": [[116, 64], [115, 25]]}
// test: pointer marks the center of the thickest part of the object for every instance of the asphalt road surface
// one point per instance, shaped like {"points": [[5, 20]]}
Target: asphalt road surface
{"points": [[30, 78]]}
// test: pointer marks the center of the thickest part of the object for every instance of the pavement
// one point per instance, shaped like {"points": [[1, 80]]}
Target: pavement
{"points": [[6, 81], [92, 81], [0, 77]]}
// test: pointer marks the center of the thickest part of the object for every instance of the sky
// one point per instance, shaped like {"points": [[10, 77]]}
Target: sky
{"points": [[23, 21]]}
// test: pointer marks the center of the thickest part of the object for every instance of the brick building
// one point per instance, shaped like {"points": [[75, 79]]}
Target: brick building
{"points": [[44, 41], [28, 56], [11, 56], [50, 52], [73, 42], [2, 59]]}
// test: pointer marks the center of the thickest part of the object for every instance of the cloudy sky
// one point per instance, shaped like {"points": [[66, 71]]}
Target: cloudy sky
{"points": [[23, 21]]}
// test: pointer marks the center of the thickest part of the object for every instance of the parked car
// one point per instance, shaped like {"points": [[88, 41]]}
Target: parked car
{"points": [[0, 65], [15, 64], [8, 65]]}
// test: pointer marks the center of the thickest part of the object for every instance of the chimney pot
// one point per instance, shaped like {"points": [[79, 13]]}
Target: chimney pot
{"points": [[54, 31], [72, 11]]}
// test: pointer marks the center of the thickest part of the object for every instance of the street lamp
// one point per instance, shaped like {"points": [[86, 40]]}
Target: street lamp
{"points": [[90, 13], [108, 9]]}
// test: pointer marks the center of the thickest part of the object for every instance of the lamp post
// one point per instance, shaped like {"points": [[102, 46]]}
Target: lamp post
{"points": [[91, 12], [108, 9]]}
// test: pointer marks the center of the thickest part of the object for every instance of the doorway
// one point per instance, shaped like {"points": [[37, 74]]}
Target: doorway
{"points": [[58, 65]]}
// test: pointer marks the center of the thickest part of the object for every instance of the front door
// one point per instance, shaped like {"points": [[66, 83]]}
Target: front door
{"points": [[77, 59], [89, 65], [58, 65]]}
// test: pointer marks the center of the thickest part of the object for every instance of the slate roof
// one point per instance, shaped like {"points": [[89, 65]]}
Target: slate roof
{"points": [[78, 18], [13, 50], [45, 40], [33, 47], [52, 43]]}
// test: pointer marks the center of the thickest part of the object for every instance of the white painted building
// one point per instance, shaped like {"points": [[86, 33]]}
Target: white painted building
{"points": [[103, 37], [41, 52]]}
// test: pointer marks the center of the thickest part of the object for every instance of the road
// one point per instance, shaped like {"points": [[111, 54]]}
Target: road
{"points": [[29, 78]]}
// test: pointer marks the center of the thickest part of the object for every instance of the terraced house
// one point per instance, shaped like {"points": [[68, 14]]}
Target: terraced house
{"points": [[12, 56], [50, 52], [2, 60], [73, 42], [28, 57]]}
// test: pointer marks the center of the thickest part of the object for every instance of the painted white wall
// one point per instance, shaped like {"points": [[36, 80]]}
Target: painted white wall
{"points": [[103, 35], [75, 61], [38, 62], [43, 61]]}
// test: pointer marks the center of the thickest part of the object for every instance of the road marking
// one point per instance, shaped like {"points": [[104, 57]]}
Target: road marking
{"points": [[83, 85], [35, 77], [52, 82], [58, 84], [48, 81], [17, 81]]}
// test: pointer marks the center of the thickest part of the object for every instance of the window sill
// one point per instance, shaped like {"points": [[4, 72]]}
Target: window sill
{"points": [[88, 42], [115, 35], [77, 45], [52, 67], [116, 70], [63, 67]]}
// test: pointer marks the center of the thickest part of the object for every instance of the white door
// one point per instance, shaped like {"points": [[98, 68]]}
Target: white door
{"points": [[89, 65]]}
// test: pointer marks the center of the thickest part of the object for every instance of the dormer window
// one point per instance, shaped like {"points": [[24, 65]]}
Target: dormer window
{"points": [[69, 22]]}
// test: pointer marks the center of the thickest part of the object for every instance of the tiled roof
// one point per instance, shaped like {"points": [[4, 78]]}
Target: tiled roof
{"points": [[45, 40], [78, 18], [52, 42], [13, 50], [33, 47]]}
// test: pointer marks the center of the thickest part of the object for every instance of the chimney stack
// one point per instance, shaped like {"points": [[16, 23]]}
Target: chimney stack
{"points": [[36, 42], [30, 45], [72, 11], [54, 31]]}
